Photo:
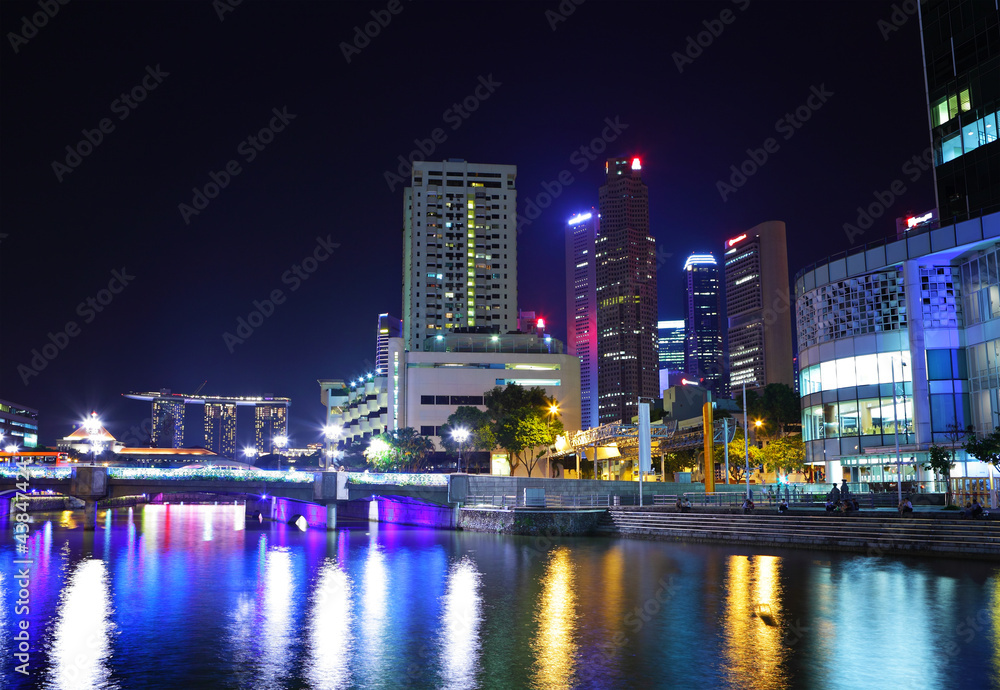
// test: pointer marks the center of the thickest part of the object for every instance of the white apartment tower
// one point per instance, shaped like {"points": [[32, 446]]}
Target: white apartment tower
{"points": [[459, 249]]}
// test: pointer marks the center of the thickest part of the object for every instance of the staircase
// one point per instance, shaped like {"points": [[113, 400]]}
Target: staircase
{"points": [[875, 536]]}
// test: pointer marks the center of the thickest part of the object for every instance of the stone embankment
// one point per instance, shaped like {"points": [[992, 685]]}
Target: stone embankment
{"points": [[870, 534], [526, 521]]}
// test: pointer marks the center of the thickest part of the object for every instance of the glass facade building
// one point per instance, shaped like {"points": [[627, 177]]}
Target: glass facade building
{"points": [[900, 340], [704, 360]]}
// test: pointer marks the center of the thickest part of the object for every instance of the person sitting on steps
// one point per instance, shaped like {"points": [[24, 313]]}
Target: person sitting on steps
{"points": [[905, 507], [783, 507], [747, 505]]}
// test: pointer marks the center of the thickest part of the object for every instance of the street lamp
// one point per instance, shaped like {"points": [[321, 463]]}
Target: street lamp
{"points": [[93, 426], [332, 433], [460, 434], [250, 453], [280, 442]]}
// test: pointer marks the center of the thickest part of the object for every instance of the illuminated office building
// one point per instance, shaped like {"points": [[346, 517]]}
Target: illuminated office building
{"points": [[627, 366], [581, 307], [168, 422], [459, 249], [270, 423], [18, 425], [704, 361], [758, 307]]}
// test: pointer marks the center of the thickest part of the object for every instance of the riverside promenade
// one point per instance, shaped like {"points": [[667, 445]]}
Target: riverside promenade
{"points": [[875, 533]]}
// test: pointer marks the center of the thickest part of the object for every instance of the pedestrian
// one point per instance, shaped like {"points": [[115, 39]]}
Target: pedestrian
{"points": [[834, 495]]}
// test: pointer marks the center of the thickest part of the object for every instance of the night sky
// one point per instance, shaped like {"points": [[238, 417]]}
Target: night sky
{"points": [[104, 221]]}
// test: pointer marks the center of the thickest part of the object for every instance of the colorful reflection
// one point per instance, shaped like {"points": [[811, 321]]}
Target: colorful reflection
{"points": [[752, 623], [555, 642], [80, 648], [460, 620], [329, 627]]}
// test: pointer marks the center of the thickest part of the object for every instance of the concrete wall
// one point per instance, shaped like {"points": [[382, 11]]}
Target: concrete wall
{"points": [[461, 486], [527, 522]]}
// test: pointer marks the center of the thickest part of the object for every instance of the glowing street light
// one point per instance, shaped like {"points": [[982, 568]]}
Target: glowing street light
{"points": [[332, 433], [93, 426], [460, 434]]}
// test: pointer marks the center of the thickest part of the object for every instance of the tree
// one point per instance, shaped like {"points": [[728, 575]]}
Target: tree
{"points": [[476, 422], [986, 449], [942, 462], [397, 450], [777, 405], [737, 460], [518, 422], [786, 454]]}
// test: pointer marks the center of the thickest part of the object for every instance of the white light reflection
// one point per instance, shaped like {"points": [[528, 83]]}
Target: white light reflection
{"points": [[374, 596], [81, 643], [460, 621], [276, 637], [330, 629], [207, 515]]}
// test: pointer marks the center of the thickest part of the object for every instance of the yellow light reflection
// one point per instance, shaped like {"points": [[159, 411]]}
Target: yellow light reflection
{"points": [[554, 643], [81, 642], [996, 625], [460, 619], [66, 519], [330, 629], [755, 653]]}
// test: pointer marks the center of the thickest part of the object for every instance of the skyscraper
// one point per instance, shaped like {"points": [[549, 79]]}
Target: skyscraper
{"points": [[703, 358], [270, 422], [220, 428], [758, 306], [168, 423], [671, 344], [581, 308], [388, 327], [962, 67], [626, 294], [459, 249]]}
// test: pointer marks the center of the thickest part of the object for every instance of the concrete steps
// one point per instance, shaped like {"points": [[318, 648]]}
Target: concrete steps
{"points": [[873, 535]]}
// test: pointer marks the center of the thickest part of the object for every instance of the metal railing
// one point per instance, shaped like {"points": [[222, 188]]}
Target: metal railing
{"points": [[550, 500]]}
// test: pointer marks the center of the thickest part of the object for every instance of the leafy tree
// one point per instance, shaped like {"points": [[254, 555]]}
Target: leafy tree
{"points": [[777, 405], [397, 450], [942, 462], [677, 461], [737, 460], [519, 424], [986, 449], [477, 422], [787, 453]]}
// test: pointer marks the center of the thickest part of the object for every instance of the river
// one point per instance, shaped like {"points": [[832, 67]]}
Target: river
{"points": [[189, 597]]}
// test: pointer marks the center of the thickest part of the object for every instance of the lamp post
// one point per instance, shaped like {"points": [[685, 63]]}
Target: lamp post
{"points": [[332, 433], [93, 426], [899, 460], [460, 434], [250, 454], [280, 442]]}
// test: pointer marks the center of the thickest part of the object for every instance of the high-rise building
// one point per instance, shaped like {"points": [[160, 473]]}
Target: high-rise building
{"points": [[459, 249], [671, 344], [18, 425], [703, 357], [220, 428], [581, 307], [270, 423], [626, 294], [388, 327], [758, 307], [962, 66], [168, 422]]}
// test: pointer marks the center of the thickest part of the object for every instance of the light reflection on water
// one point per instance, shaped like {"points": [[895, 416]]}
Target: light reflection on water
{"points": [[151, 598], [80, 649], [555, 643], [460, 619], [330, 625]]}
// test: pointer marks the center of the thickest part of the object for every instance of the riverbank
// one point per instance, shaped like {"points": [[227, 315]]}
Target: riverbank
{"points": [[874, 535]]}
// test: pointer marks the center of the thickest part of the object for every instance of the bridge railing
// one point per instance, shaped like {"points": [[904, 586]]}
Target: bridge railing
{"points": [[550, 500]]}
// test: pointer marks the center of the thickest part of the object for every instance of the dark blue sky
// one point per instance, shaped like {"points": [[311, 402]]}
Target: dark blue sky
{"points": [[319, 176]]}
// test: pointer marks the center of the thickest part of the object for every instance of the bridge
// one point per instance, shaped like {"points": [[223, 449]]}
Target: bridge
{"points": [[314, 498]]}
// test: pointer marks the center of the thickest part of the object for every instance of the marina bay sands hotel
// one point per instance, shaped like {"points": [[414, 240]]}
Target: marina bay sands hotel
{"points": [[270, 420]]}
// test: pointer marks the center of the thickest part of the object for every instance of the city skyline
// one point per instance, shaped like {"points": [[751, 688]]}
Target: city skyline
{"points": [[212, 238]]}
